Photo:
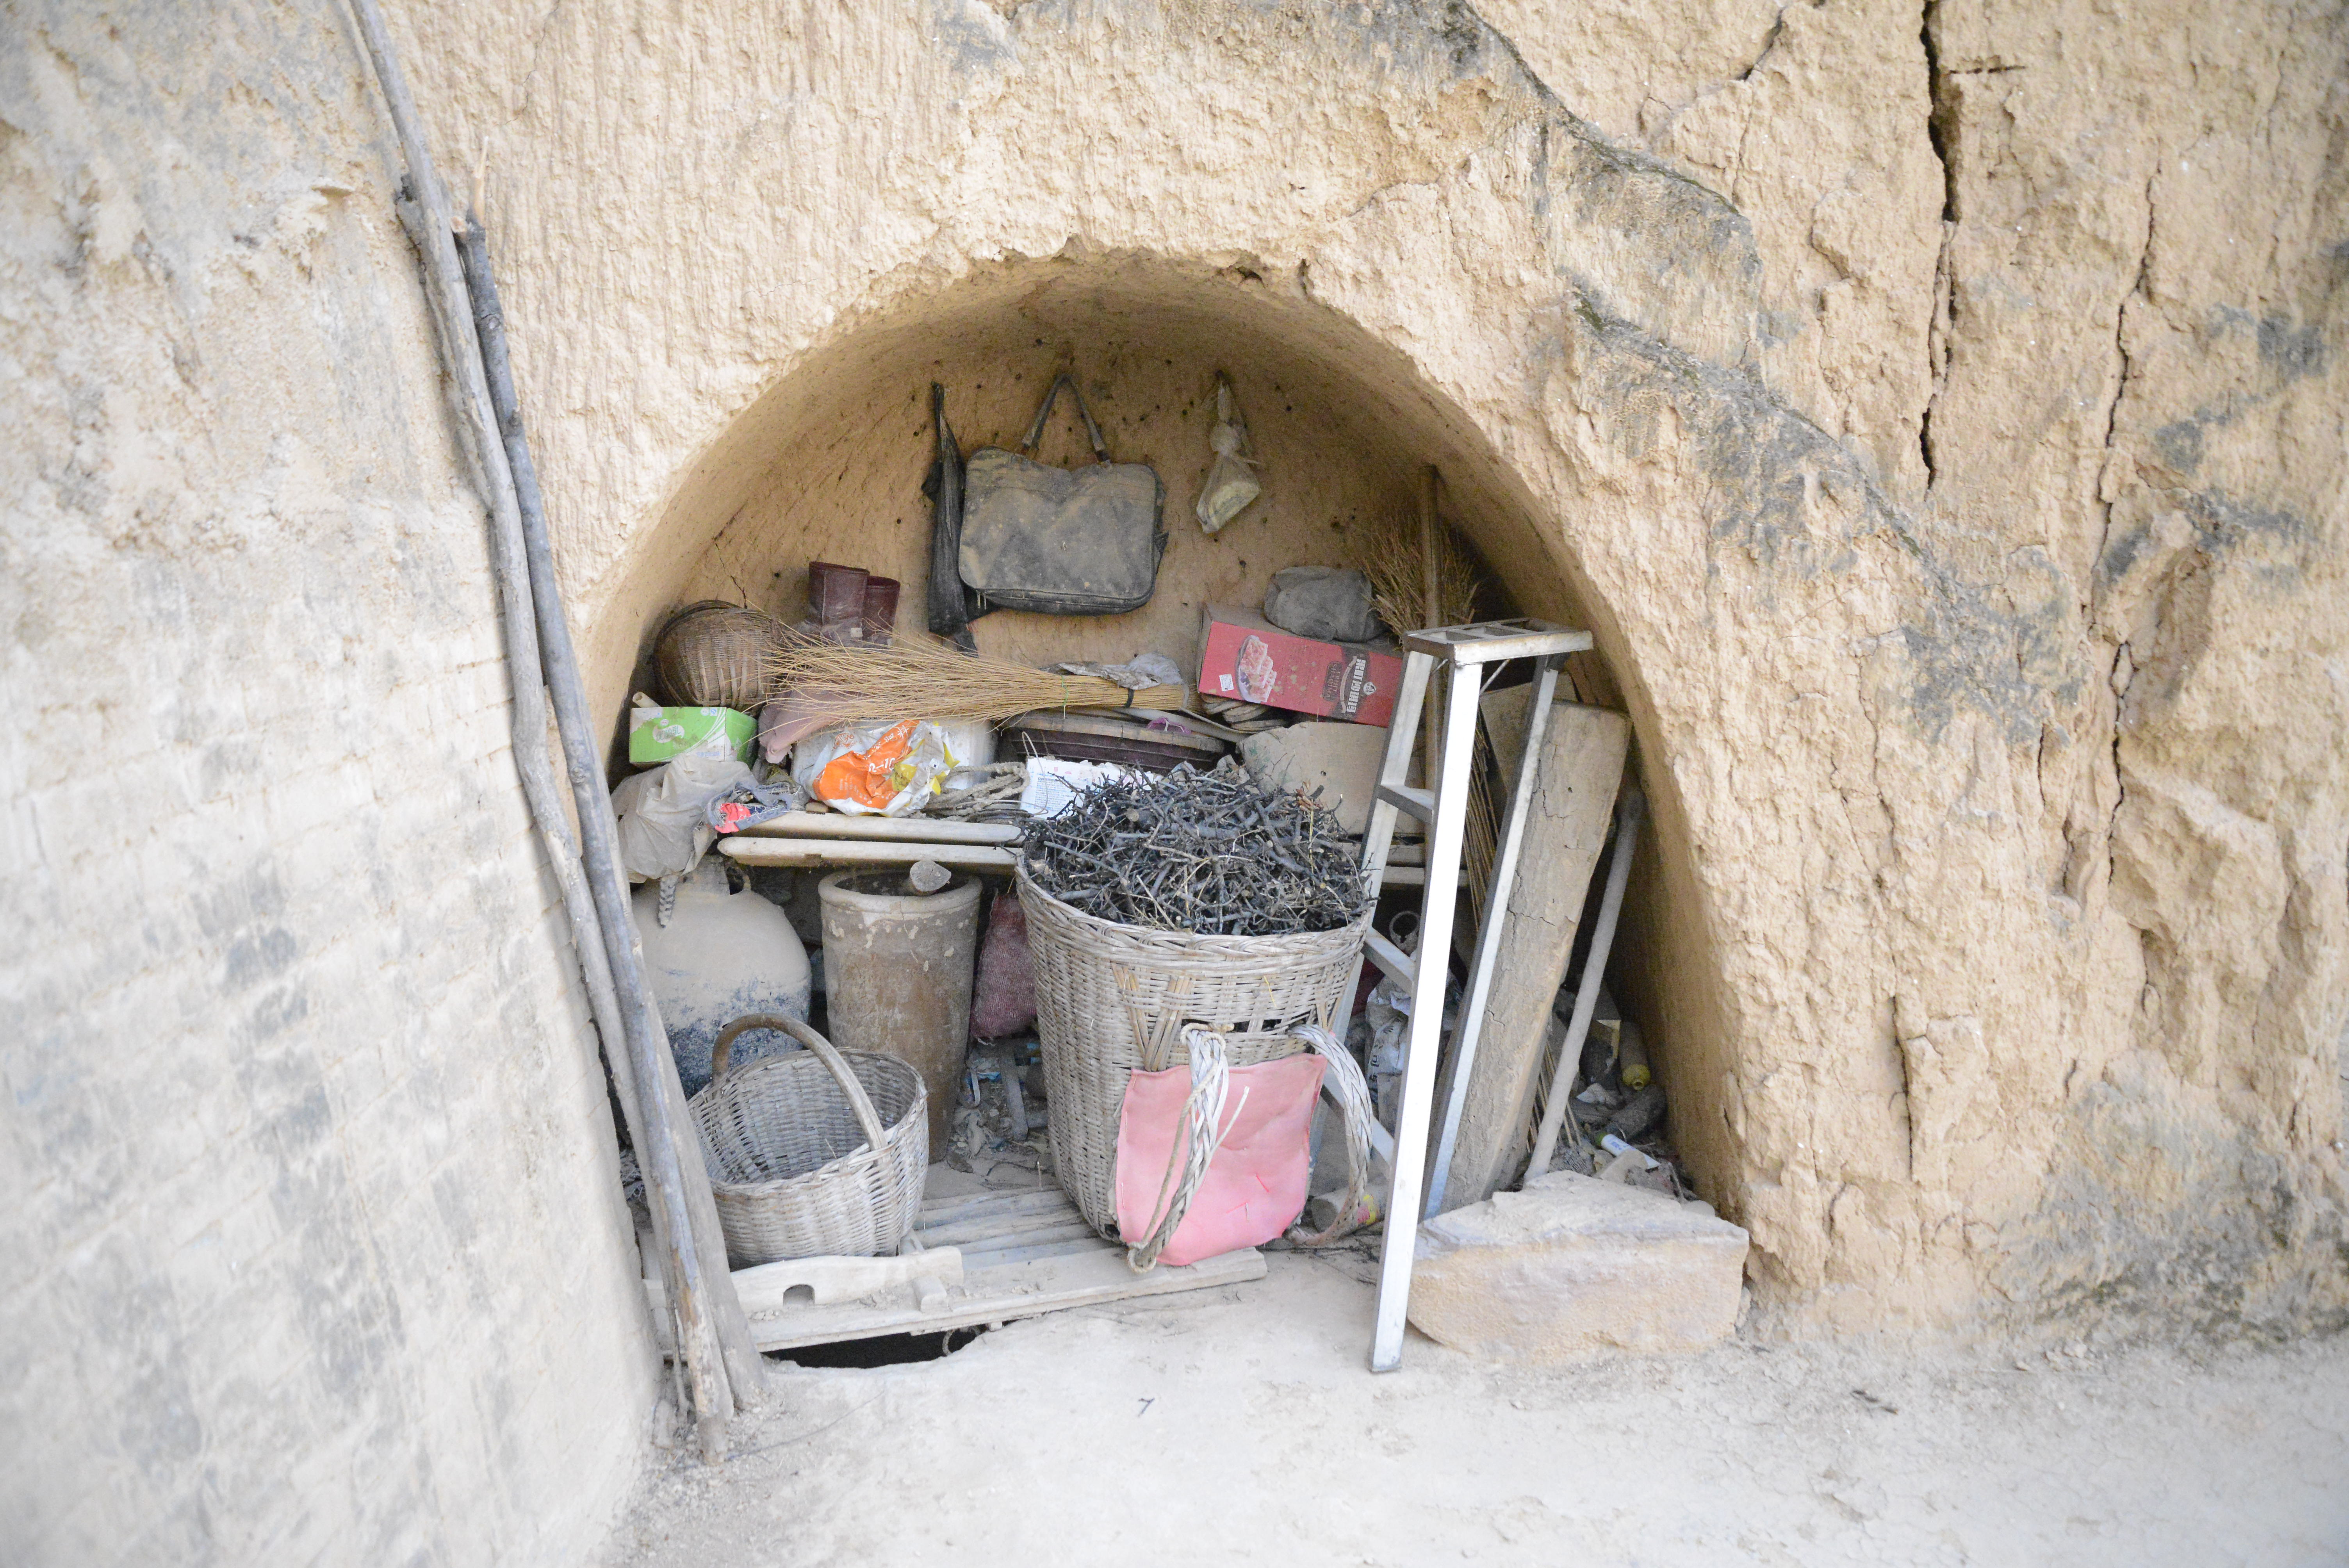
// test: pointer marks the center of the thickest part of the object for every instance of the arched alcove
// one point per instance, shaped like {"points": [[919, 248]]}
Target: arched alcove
{"points": [[828, 463]]}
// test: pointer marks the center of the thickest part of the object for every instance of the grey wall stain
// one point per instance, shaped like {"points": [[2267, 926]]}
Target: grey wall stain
{"points": [[2291, 351], [2179, 444]]}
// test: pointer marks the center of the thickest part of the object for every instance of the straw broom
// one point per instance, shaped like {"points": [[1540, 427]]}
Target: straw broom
{"points": [[1392, 554], [1388, 552], [915, 676]]}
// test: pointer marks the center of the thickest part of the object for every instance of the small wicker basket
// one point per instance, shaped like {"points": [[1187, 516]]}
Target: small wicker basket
{"points": [[818, 1153], [1112, 999], [714, 655]]}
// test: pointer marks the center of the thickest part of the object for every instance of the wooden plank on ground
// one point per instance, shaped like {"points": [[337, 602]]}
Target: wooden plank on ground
{"points": [[1583, 750], [1001, 1294], [995, 1255], [997, 1202], [983, 1233], [1028, 1252]]}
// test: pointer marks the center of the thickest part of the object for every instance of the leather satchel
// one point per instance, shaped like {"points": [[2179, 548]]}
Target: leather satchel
{"points": [[1060, 541]]}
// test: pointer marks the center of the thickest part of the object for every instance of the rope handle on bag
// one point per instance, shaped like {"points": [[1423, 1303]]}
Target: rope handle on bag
{"points": [[1193, 1149], [1092, 431], [1205, 1128], [1352, 1092], [721, 1053]]}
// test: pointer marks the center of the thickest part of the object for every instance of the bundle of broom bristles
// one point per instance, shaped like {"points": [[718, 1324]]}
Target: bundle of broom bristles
{"points": [[846, 682], [1391, 552]]}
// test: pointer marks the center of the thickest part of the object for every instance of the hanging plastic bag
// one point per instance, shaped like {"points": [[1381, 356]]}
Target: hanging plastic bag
{"points": [[1230, 487], [875, 770]]}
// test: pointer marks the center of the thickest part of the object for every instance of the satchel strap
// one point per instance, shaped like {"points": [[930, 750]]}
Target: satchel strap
{"points": [[1092, 431]]}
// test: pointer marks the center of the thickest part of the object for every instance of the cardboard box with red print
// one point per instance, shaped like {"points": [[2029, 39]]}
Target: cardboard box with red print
{"points": [[1245, 657]]}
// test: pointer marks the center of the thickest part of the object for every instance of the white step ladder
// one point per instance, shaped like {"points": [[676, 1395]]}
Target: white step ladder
{"points": [[1466, 652]]}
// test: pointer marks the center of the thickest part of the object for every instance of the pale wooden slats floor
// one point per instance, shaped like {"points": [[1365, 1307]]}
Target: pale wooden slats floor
{"points": [[1024, 1254]]}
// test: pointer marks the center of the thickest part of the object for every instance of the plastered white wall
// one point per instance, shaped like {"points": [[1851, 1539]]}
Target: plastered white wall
{"points": [[316, 1247]]}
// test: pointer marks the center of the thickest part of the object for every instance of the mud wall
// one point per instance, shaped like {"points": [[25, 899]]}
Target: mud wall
{"points": [[1937, 416], [833, 459], [316, 1251], [1955, 494]]}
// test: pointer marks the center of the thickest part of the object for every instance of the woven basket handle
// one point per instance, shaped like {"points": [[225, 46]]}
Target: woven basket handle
{"points": [[1200, 1134], [1346, 1084], [722, 1051]]}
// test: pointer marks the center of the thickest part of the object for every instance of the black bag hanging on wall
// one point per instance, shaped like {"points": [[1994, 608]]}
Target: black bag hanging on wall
{"points": [[951, 605], [1059, 541]]}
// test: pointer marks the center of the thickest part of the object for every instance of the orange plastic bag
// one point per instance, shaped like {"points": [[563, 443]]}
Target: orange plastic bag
{"points": [[866, 769], [868, 776]]}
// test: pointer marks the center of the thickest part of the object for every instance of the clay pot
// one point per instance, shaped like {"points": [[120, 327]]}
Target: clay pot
{"points": [[721, 956]]}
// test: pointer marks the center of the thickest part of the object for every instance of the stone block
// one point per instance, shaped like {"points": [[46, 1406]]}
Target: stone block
{"points": [[1572, 1267], [1342, 760]]}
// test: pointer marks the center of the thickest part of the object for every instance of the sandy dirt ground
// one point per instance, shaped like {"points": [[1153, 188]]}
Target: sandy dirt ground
{"points": [[1239, 1425]]}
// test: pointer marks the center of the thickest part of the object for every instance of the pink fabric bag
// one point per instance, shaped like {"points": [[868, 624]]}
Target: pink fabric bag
{"points": [[1003, 999], [1254, 1187]]}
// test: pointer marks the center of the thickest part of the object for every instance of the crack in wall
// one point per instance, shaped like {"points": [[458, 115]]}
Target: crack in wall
{"points": [[1392, 186], [2105, 496], [1937, 116], [2137, 290], [1769, 44], [2120, 686]]}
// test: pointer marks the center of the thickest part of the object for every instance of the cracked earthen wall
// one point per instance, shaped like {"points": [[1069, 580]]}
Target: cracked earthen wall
{"points": [[1936, 413]]}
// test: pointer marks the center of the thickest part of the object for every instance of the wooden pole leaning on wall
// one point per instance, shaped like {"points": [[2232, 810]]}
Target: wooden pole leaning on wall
{"points": [[689, 1289], [639, 1012]]}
